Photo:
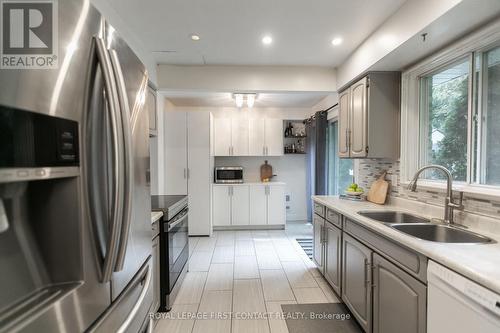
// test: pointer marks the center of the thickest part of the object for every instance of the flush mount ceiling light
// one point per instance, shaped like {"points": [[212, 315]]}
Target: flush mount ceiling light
{"points": [[267, 40], [240, 98], [337, 41], [250, 100], [195, 37]]}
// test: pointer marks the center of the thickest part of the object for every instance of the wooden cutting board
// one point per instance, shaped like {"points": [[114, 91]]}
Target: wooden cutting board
{"points": [[378, 190]]}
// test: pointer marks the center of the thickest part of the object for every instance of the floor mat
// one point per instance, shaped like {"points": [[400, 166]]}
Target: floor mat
{"points": [[319, 318], [307, 245]]}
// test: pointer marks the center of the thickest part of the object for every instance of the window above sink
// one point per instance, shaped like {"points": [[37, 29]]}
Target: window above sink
{"points": [[451, 115]]}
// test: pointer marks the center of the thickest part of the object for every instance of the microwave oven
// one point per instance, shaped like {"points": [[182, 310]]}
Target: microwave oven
{"points": [[228, 175]]}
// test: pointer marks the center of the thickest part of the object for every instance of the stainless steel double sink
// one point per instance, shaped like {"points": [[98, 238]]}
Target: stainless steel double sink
{"points": [[422, 228]]}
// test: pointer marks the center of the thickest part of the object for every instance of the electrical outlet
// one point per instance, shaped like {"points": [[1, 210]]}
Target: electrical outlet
{"points": [[394, 180], [287, 197]]}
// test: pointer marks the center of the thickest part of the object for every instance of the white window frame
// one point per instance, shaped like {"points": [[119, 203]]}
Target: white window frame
{"points": [[333, 116], [486, 37]]}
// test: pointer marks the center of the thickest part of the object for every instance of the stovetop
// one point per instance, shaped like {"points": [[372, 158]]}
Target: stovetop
{"points": [[170, 205]]}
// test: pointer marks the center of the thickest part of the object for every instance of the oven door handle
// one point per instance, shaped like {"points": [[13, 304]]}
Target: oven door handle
{"points": [[179, 220]]}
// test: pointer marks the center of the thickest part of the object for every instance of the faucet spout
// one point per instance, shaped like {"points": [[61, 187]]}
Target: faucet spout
{"points": [[449, 205]]}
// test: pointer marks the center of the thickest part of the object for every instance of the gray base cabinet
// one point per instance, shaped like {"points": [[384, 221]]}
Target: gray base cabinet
{"points": [[333, 259], [399, 300], [318, 231], [356, 280]]}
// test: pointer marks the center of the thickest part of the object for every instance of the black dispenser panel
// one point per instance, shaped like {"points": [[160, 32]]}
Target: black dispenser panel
{"points": [[32, 140]]}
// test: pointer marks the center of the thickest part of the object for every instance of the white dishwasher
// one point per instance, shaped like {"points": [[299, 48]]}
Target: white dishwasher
{"points": [[456, 304]]}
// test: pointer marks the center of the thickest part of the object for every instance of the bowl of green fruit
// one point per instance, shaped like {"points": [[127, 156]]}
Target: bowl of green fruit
{"points": [[354, 190]]}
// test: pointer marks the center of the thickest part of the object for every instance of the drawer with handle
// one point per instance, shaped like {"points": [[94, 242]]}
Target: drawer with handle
{"points": [[319, 209], [334, 217]]}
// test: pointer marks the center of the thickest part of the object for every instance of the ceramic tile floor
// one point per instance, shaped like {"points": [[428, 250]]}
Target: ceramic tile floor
{"points": [[248, 273]]}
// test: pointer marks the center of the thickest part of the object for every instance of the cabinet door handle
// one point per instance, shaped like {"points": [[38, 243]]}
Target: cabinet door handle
{"points": [[185, 173], [263, 150], [347, 140], [367, 270], [325, 237], [229, 190]]}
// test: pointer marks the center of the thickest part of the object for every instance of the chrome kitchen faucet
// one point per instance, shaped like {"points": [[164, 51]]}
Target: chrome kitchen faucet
{"points": [[449, 204]]}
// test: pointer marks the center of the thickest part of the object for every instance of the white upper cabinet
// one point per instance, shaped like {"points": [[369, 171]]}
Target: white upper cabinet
{"points": [[239, 136], [369, 117], [222, 136], [256, 130], [175, 145], [274, 137]]}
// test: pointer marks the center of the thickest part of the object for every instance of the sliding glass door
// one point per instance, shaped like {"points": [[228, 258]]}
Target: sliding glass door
{"points": [[340, 171]]}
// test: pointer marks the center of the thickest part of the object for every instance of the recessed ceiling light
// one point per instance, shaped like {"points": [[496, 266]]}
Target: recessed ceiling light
{"points": [[195, 37], [336, 41], [267, 40]]}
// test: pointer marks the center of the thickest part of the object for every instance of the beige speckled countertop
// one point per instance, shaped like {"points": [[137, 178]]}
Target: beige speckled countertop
{"points": [[478, 262], [155, 216]]}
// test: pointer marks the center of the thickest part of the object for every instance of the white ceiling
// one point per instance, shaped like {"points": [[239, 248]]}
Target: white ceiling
{"points": [[225, 99], [231, 30]]}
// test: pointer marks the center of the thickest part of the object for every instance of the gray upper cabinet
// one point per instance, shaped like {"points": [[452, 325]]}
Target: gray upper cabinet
{"points": [[318, 232], [343, 126], [358, 119], [369, 117], [356, 280], [399, 300], [333, 259]]}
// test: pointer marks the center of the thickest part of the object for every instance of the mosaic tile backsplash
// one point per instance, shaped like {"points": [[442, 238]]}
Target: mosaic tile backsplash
{"points": [[371, 169]]}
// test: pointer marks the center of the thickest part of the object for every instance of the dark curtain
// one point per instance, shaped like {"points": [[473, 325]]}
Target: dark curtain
{"points": [[316, 145]]}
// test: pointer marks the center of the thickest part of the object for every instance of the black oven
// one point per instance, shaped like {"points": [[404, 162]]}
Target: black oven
{"points": [[177, 240], [228, 175], [174, 245]]}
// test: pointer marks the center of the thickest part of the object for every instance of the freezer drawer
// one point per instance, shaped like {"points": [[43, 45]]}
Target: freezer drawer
{"points": [[131, 308]]}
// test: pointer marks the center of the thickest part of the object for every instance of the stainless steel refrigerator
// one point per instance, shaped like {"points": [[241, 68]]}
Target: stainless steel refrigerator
{"points": [[75, 234]]}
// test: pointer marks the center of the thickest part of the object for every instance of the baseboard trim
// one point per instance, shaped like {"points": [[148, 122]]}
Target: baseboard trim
{"points": [[250, 227]]}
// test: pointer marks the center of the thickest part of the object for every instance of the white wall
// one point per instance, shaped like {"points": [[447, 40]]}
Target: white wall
{"points": [[410, 19], [247, 78], [290, 169]]}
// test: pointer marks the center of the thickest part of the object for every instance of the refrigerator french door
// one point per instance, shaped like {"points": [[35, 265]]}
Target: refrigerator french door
{"points": [[75, 241]]}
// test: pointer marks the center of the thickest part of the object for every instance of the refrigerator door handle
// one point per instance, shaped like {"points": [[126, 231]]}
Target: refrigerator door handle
{"points": [[116, 216], [147, 278], [128, 189], [142, 279]]}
